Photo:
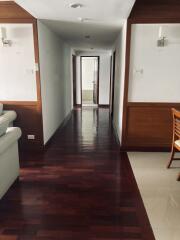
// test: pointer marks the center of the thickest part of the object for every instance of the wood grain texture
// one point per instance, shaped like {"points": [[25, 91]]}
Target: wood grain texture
{"points": [[29, 119], [126, 80], [74, 74], [11, 10], [149, 125], [155, 11], [81, 188], [29, 113]]}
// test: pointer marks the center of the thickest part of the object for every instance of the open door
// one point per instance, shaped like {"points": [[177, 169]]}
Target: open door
{"points": [[90, 80]]}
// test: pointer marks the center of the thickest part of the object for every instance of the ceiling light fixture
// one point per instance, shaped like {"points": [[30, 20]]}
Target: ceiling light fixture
{"points": [[81, 19], [84, 19], [76, 5]]}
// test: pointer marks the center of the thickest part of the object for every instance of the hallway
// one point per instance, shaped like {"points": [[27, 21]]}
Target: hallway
{"points": [[80, 188]]}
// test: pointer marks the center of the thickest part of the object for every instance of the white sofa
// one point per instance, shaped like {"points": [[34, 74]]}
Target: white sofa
{"points": [[9, 156], [11, 115]]}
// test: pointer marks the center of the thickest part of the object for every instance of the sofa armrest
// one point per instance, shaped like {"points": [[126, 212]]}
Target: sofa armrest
{"points": [[12, 135], [10, 115]]}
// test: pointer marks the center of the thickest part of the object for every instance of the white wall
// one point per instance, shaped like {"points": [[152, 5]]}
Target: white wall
{"points": [[56, 79], [154, 71], [104, 76], [120, 48], [104, 79], [78, 80], [17, 64]]}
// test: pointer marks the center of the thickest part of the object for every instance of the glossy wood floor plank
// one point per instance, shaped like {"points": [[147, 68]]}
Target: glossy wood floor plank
{"points": [[80, 188]]}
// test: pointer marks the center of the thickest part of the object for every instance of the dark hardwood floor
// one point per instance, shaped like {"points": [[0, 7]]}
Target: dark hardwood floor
{"points": [[80, 188]]}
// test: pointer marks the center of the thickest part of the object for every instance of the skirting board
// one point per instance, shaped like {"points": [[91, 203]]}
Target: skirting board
{"points": [[103, 105]]}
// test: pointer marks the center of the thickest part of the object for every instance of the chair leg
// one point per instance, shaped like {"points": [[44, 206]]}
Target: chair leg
{"points": [[178, 179], [171, 158]]}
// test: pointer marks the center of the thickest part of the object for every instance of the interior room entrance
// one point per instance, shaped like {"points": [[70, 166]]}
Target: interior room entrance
{"points": [[90, 81]]}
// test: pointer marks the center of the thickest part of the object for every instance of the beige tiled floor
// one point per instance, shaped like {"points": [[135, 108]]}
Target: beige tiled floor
{"points": [[160, 192]]}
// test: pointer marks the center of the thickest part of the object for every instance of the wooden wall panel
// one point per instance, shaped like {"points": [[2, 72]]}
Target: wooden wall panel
{"points": [[149, 125], [30, 121], [146, 9], [10, 10], [29, 113]]}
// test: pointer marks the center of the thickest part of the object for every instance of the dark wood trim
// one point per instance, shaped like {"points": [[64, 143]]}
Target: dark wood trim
{"points": [[81, 79], [78, 105], [104, 105], [37, 61], [11, 10], [98, 79], [154, 20], [126, 83], [156, 11], [149, 126], [74, 68], [17, 20], [22, 103], [110, 90], [153, 104], [145, 149], [38, 79], [98, 57]]}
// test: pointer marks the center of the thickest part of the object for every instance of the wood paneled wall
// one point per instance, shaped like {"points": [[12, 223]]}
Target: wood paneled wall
{"points": [[10, 10], [155, 10], [148, 126], [29, 119], [29, 113]]}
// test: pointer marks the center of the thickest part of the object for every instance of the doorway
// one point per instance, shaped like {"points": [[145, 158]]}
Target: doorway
{"points": [[74, 80], [90, 80]]}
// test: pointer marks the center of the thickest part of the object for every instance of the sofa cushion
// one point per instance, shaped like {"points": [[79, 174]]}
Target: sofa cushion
{"points": [[1, 109], [12, 135], [4, 123]]}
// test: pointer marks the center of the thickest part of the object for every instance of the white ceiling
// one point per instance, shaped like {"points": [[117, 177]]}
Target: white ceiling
{"points": [[105, 19]]}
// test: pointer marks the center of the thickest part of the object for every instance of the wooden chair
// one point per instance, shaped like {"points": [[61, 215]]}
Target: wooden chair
{"points": [[178, 179], [176, 137]]}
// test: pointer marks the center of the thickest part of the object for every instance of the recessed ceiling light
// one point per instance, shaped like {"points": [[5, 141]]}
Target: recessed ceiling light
{"points": [[84, 19], [81, 19], [76, 5]]}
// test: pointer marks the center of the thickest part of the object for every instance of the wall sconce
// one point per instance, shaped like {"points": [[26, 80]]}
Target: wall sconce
{"points": [[3, 35], [161, 42]]}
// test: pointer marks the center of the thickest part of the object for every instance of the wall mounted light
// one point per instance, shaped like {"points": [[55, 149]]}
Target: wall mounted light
{"points": [[161, 42], [3, 36]]}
